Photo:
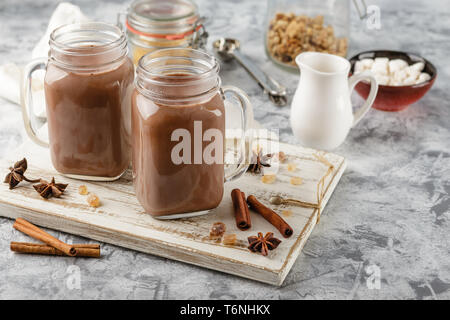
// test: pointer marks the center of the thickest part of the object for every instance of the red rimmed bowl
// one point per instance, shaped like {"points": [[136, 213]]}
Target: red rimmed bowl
{"points": [[395, 98]]}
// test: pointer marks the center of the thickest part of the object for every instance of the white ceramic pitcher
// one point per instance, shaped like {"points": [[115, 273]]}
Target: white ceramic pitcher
{"points": [[321, 111]]}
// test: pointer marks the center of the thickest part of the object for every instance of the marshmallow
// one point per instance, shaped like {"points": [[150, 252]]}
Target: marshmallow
{"points": [[423, 77], [379, 67], [359, 67], [412, 72], [396, 65], [382, 79], [367, 63], [417, 66], [382, 60], [409, 81], [400, 75], [395, 72]]}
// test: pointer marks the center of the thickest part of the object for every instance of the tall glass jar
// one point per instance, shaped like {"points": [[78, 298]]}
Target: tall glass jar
{"points": [[88, 85], [159, 24], [178, 133], [295, 26]]}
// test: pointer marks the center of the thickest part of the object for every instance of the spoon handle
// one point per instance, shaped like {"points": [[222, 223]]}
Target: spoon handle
{"points": [[276, 92]]}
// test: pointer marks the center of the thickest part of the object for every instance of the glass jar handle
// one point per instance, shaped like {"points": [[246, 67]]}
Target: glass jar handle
{"points": [[246, 118], [26, 99]]}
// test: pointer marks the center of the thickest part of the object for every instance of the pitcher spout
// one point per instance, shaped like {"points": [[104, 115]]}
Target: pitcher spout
{"points": [[322, 63]]}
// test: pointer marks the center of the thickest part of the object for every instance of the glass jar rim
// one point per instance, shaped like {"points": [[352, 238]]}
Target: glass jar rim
{"points": [[169, 24], [118, 37], [87, 39], [177, 67], [161, 55]]}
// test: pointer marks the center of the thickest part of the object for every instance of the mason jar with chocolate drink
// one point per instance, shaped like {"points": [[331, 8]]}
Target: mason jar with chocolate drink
{"points": [[88, 85], [178, 132]]}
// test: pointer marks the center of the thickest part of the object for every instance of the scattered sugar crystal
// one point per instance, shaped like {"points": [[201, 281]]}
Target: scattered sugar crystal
{"points": [[82, 190], [93, 200], [229, 239], [296, 181], [281, 156], [286, 213], [217, 230], [268, 178], [291, 166]]}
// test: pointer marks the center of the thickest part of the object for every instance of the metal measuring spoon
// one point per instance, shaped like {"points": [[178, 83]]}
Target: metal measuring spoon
{"points": [[228, 49]]}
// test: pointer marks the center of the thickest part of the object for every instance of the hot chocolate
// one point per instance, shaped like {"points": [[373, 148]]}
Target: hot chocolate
{"points": [[162, 186], [88, 86], [89, 119], [178, 133]]}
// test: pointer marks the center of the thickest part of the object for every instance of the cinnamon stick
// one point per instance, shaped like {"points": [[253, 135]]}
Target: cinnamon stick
{"points": [[270, 216], [247, 210], [241, 212], [38, 234], [83, 250]]}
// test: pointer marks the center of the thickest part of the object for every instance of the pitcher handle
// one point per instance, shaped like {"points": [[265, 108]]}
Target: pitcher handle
{"points": [[366, 75], [26, 99], [246, 119]]}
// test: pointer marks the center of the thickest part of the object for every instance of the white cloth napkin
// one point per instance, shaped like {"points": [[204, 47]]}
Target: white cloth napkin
{"points": [[11, 74]]}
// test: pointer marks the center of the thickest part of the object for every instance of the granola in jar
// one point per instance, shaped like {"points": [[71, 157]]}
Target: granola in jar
{"points": [[290, 34]]}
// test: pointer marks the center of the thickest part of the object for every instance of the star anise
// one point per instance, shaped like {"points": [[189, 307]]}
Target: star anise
{"points": [[263, 244], [16, 174], [258, 161], [50, 189]]}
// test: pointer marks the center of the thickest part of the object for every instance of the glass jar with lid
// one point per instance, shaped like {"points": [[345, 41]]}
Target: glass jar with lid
{"points": [[296, 26], [158, 24]]}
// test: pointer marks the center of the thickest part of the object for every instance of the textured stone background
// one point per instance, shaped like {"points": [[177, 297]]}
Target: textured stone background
{"points": [[391, 208]]}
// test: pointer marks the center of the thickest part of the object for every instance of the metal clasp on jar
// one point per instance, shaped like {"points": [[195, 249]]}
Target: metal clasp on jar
{"points": [[199, 35]]}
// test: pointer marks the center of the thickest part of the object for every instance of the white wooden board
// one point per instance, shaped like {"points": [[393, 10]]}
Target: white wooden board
{"points": [[120, 220]]}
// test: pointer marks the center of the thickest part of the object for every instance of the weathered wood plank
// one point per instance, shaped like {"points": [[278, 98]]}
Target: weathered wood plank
{"points": [[120, 220]]}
